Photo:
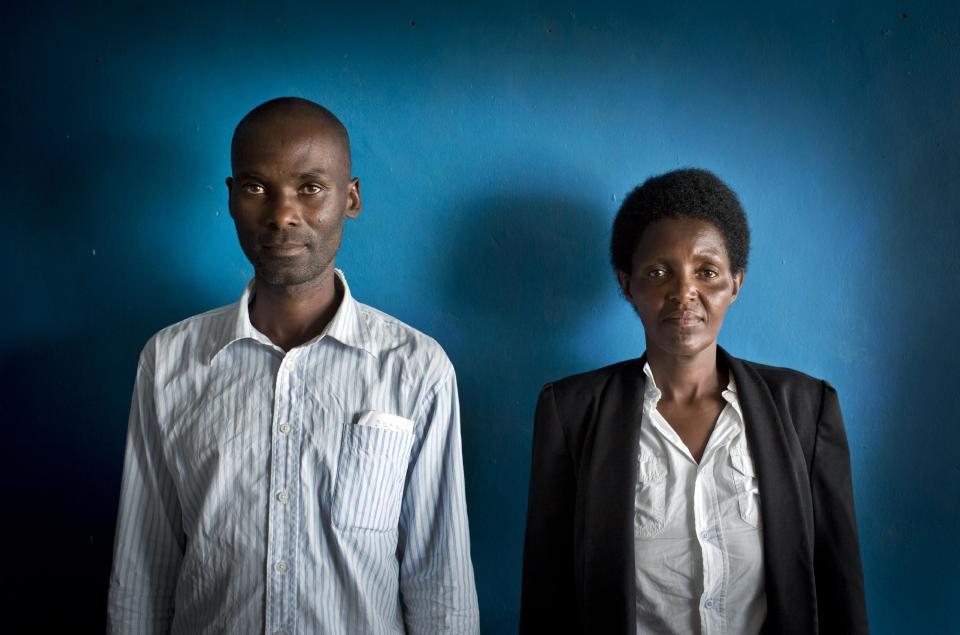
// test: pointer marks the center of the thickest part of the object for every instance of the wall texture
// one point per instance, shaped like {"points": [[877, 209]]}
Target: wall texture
{"points": [[494, 145]]}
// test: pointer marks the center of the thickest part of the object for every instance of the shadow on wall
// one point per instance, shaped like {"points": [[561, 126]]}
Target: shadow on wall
{"points": [[912, 473], [67, 379], [523, 274]]}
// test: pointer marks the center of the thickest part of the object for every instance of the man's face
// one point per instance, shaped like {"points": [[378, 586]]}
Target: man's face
{"points": [[290, 191]]}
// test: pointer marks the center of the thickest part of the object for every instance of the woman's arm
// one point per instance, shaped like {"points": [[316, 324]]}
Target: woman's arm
{"points": [[548, 599], [841, 607]]}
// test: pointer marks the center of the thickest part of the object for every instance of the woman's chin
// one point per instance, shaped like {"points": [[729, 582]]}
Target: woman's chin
{"points": [[683, 345]]}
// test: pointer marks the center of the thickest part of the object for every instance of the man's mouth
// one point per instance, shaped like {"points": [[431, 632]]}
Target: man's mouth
{"points": [[283, 249]]}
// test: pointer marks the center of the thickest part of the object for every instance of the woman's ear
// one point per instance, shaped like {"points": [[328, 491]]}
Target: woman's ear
{"points": [[624, 281], [737, 284]]}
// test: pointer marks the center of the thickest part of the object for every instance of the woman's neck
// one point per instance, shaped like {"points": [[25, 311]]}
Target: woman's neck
{"points": [[685, 379]]}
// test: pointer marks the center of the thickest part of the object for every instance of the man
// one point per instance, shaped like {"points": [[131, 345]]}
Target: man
{"points": [[293, 460]]}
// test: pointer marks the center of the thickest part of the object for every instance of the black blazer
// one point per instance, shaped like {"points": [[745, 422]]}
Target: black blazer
{"points": [[578, 573]]}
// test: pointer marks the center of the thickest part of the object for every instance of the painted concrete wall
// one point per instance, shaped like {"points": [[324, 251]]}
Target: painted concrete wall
{"points": [[494, 145]]}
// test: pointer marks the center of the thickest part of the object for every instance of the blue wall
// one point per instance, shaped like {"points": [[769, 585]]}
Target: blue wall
{"points": [[494, 146]]}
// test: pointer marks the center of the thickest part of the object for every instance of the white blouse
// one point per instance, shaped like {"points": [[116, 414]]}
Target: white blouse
{"points": [[699, 545]]}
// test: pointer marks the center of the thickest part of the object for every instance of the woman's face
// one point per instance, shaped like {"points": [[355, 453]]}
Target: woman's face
{"points": [[681, 285]]}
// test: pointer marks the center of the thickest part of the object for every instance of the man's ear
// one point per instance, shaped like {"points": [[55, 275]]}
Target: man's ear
{"points": [[354, 200], [229, 183], [624, 281], [737, 284]]}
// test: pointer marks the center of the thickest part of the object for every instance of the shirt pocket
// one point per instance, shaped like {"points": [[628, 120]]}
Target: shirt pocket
{"points": [[748, 489], [371, 471], [651, 495]]}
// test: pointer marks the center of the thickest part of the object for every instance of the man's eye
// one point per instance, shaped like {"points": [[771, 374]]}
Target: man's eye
{"points": [[311, 189], [253, 188]]}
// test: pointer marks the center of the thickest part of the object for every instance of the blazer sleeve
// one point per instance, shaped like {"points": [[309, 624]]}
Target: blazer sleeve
{"points": [[547, 603], [841, 606]]}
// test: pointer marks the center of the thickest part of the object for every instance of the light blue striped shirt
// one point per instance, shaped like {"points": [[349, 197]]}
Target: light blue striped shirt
{"points": [[255, 499]]}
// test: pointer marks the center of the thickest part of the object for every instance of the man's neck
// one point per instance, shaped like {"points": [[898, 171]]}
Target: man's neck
{"points": [[292, 315]]}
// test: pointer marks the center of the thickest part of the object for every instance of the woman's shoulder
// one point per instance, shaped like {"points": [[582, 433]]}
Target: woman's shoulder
{"points": [[779, 374], [596, 381], [783, 383]]}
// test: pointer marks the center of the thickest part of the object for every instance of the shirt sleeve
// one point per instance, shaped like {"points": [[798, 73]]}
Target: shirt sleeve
{"points": [[150, 541], [436, 574], [841, 606], [548, 601]]}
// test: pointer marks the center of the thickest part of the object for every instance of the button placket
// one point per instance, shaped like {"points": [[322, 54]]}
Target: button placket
{"points": [[712, 560], [280, 532]]}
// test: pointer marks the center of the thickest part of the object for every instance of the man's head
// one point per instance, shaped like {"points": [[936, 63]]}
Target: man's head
{"points": [[291, 190]]}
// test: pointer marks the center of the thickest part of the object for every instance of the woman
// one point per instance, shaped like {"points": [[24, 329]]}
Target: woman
{"points": [[689, 491]]}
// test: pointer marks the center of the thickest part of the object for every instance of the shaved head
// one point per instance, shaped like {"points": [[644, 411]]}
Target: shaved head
{"points": [[283, 111], [291, 191]]}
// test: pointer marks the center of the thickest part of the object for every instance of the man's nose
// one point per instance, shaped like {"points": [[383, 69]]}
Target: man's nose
{"points": [[283, 211]]}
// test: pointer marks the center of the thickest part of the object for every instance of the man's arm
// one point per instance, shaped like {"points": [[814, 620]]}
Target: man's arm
{"points": [[150, 541], [436, 574], [840, 599]]}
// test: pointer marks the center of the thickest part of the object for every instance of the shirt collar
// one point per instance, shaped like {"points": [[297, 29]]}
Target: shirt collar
{"points": [[652, 393], [347, 326]]}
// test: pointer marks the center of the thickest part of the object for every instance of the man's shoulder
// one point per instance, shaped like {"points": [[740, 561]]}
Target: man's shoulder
{"points": [[192, 336], [391, 337]]}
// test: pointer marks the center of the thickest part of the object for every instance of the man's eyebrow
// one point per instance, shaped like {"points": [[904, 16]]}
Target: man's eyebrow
{"points": [[310, 174]]}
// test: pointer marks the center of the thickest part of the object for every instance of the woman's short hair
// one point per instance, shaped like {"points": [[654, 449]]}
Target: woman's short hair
{"points": [[686, 193]]}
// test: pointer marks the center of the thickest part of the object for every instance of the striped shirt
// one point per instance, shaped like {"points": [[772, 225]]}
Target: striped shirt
{"points": [[319, 490]]}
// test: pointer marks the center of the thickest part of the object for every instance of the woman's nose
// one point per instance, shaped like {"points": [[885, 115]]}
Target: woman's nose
{"points": [[682, 289]]}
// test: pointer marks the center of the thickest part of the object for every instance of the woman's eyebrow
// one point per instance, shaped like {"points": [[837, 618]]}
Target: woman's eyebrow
{"points": [[708, 251]]}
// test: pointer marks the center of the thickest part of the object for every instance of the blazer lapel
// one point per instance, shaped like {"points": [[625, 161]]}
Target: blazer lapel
{"points": [[607, 485], [785, 503]]}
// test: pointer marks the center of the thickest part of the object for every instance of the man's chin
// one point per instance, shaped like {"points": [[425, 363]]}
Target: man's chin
{"points": [[285, 276]]}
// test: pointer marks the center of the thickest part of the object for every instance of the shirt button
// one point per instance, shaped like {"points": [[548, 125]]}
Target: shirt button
{"points": [[707, 535], [280, 567], [653, 394], [283, 497], [284, 428], [709, 604]]}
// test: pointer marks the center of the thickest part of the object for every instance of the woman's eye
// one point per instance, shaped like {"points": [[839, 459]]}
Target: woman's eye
{"points": [[709, 273], [253, 188], [656, 273]]}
